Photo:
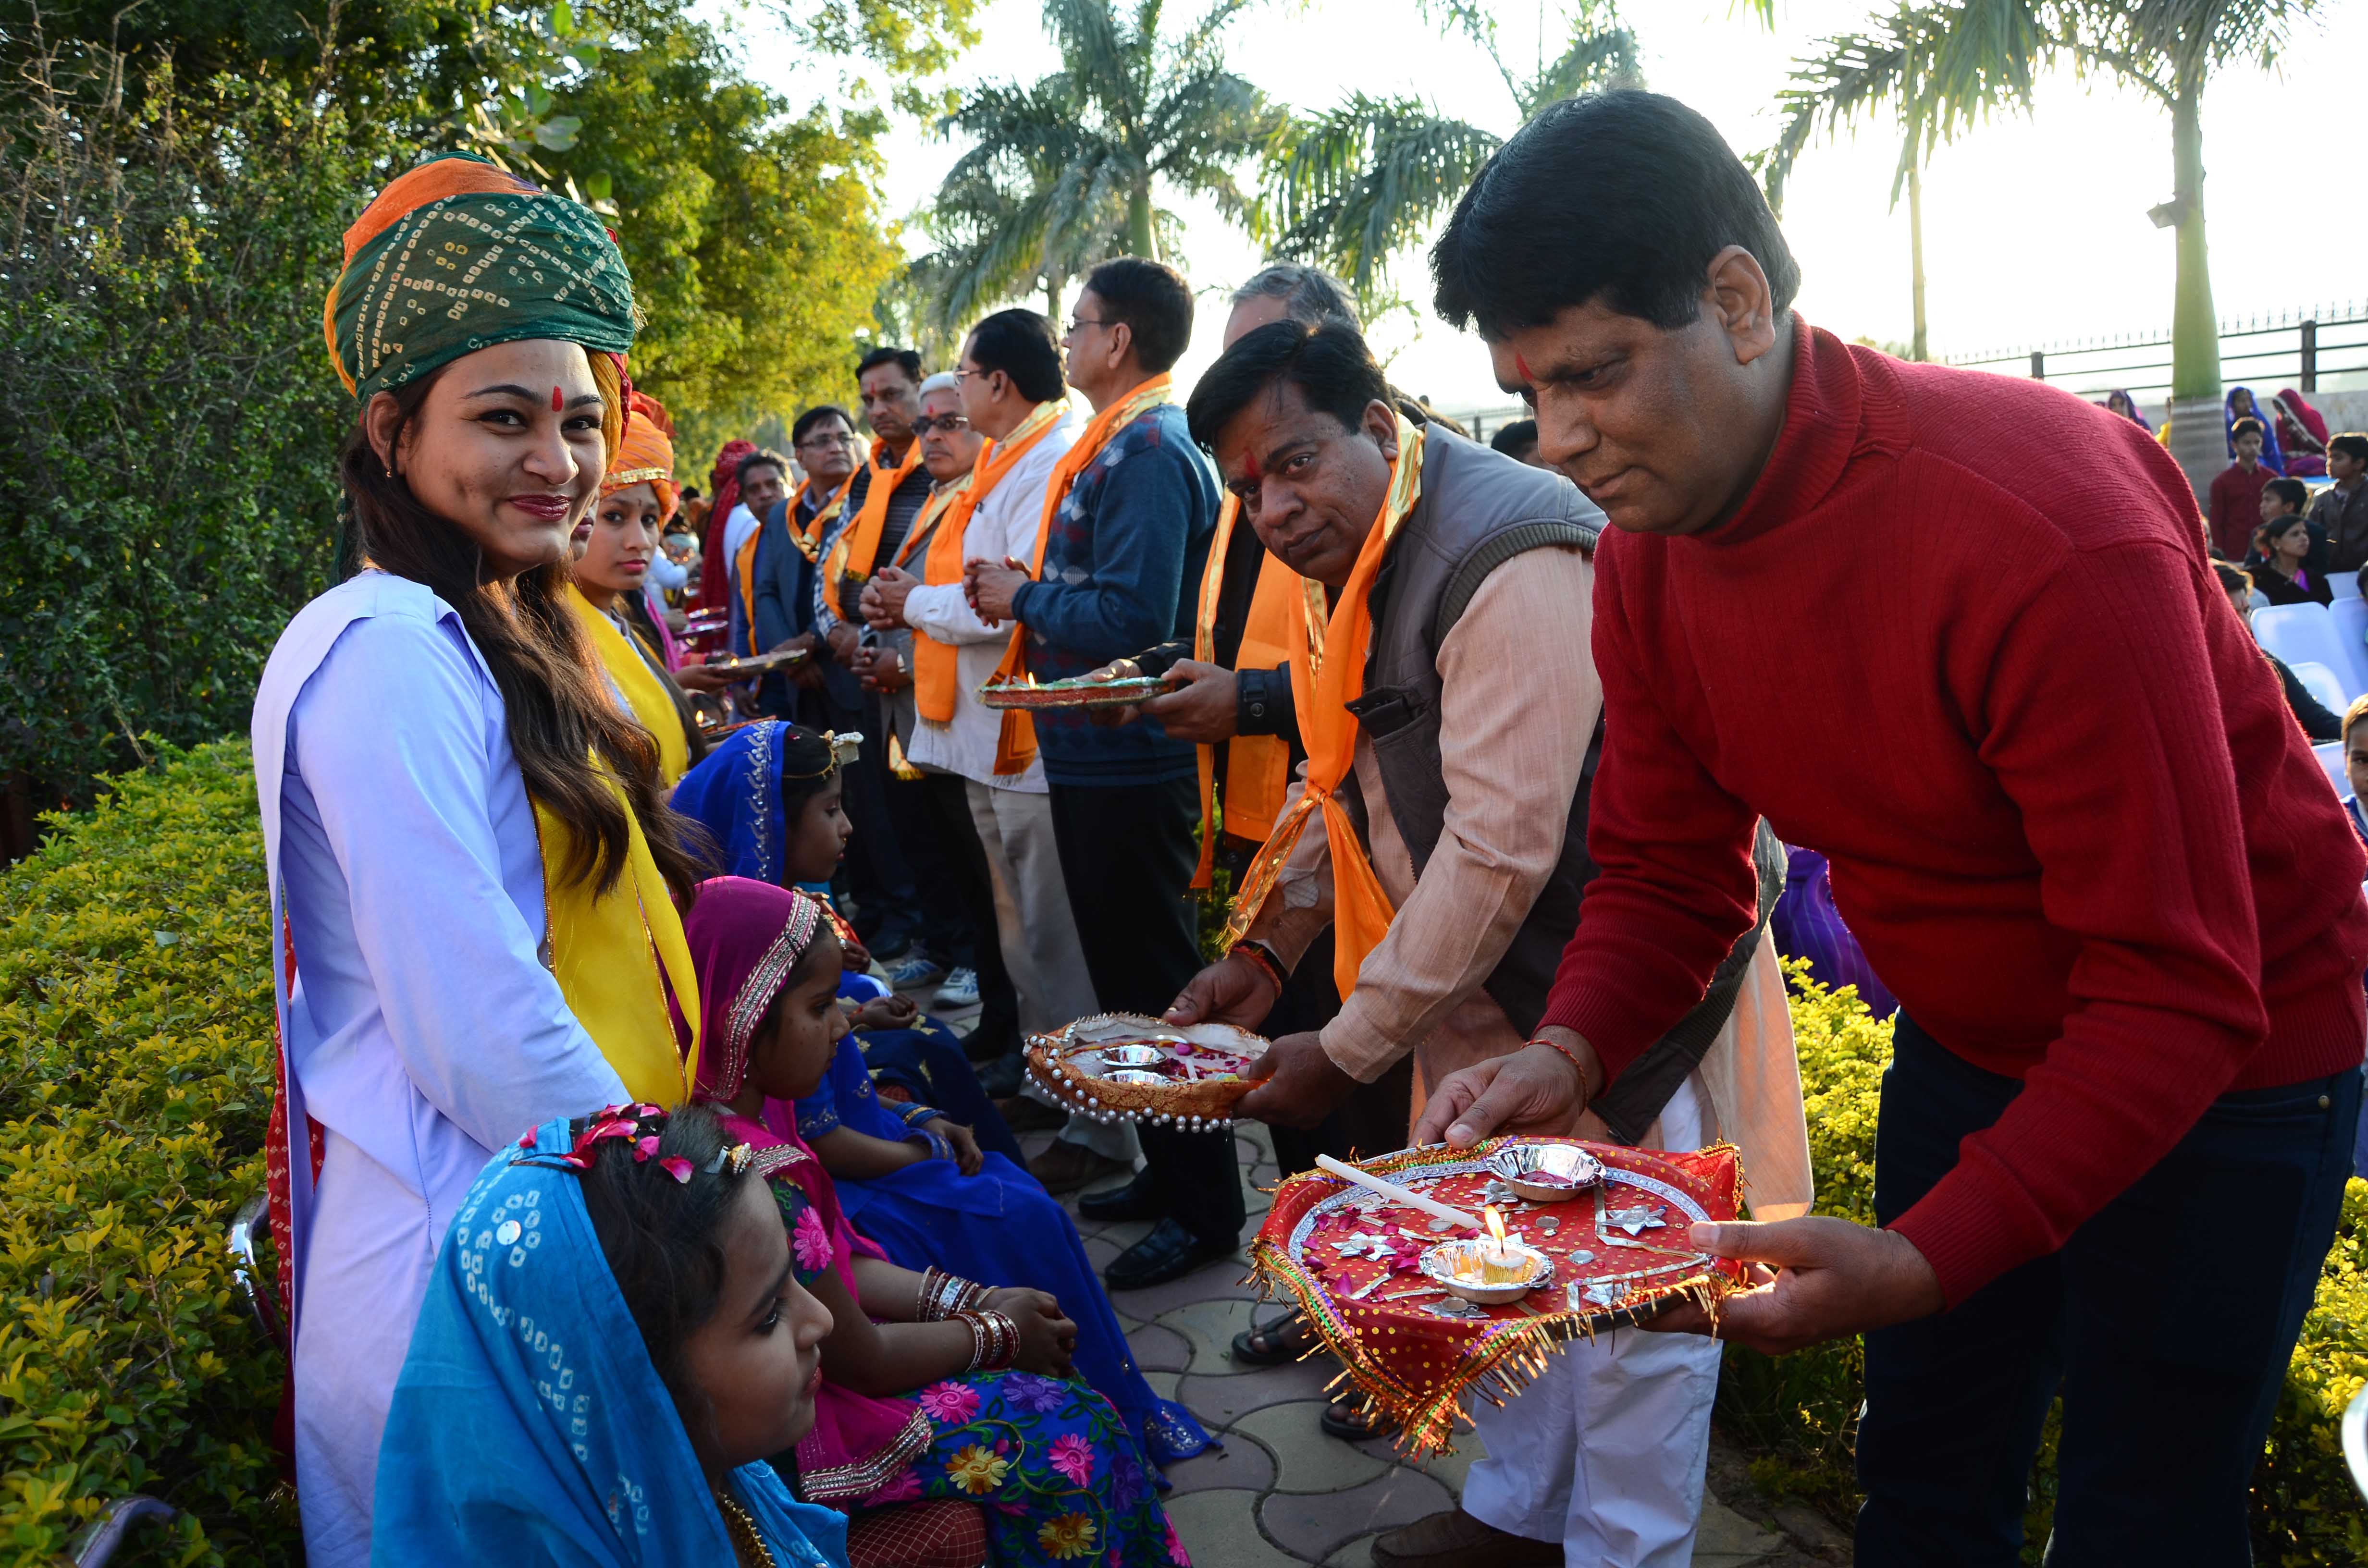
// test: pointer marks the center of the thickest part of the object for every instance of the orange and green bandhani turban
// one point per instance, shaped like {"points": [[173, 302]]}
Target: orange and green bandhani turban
{"points": [[457, 255], [645, 456]]}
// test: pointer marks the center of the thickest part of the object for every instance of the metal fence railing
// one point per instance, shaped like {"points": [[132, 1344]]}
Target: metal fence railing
{"points": [[2296, 348]]}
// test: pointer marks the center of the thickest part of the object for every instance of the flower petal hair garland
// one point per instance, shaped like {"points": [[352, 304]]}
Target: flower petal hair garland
{"points": [[630, 1121]]}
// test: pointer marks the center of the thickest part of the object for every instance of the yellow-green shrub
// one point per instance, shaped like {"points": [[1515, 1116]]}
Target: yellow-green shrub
{"points": [[135, 1083], [1801, 1410]]}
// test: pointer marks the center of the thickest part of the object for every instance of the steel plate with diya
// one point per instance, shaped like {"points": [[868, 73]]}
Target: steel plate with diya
{"points": [[1491, 1269], [1547, 1173]]}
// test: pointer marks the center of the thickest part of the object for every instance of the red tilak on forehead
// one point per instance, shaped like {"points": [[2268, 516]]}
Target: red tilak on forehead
{"points": [[554, 400], [1253, 475]]}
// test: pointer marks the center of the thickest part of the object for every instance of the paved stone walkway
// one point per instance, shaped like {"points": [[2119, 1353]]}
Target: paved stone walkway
{"points": [[1281, 1491]]}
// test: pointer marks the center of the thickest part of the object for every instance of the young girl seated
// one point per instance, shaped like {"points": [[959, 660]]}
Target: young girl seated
{"points": [[983, 1217], [612, 1345], [932, 1386], [769, 796]]}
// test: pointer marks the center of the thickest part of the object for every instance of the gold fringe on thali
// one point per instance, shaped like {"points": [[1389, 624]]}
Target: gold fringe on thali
{"points": [[1500, 1365]]}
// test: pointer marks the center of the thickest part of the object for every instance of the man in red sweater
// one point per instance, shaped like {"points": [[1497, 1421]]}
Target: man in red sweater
{"points": [[1992, 678], [2236, 508]]}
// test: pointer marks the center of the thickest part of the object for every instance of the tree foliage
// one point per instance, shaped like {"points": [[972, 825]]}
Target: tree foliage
{"points": [[1067, 171], [1354, 185]]}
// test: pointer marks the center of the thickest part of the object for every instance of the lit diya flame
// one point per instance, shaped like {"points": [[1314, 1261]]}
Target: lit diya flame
{"points": [[1498, 1263]]}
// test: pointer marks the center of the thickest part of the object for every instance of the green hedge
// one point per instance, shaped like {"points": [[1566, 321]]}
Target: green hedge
{"points": [[1801, 1411], [135, 1083]]}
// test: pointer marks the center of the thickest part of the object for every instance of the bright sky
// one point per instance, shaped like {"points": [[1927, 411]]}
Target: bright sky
{"points": [[2035, 228]]}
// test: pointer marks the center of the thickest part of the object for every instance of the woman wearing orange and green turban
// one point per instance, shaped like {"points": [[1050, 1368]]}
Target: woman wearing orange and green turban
{"points": [[614, 547], [473, 875]]}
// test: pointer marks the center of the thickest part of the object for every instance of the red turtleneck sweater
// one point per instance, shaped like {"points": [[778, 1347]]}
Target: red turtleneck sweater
{"points": [[1985, 670]]}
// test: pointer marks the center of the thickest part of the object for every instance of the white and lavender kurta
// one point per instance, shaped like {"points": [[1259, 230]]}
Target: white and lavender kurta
{"points": [[422, 1030]]}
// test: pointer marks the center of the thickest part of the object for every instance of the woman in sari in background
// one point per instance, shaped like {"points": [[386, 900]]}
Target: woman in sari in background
{"points": [[2122, 402], [472, 871], [769, 796], [613, 548], [2240, 405], [2302, 435], [934, 1385]]}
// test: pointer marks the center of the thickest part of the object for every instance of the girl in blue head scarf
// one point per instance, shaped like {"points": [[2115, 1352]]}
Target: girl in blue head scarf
{"points": [[612, 1343], [2240, 405]]}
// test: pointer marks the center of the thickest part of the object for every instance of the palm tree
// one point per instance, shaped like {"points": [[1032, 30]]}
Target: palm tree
{"points": [[1060, 169], [1353, 187], [1891, 67], [1988, 50]]}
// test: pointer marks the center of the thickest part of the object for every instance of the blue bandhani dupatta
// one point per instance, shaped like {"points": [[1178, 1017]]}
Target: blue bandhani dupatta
{"points": [[529, 1426]]}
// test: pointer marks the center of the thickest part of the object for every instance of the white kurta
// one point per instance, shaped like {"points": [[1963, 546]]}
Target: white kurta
{"points": [[422, 1031], [1003, 523]]}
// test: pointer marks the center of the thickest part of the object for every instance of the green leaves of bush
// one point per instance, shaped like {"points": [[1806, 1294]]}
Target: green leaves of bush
{"points": [[135, 1085]]}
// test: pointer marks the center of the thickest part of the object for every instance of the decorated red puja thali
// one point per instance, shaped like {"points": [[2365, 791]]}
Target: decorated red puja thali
{"points": [[1385, 1283]]}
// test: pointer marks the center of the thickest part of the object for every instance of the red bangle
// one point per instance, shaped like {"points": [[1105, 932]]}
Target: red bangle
{"points": [[1568, 1055], [1258, 954]]}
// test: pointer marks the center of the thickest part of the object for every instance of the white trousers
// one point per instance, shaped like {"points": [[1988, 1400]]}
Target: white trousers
{"points": [[1606, 1449], [365, 1276], [1038, 935]]}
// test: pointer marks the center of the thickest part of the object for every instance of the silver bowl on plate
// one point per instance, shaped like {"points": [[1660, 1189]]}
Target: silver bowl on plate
{"points": [[1441, 1264], [1137, 1076], [1130, 1055], [1547, 1173]]}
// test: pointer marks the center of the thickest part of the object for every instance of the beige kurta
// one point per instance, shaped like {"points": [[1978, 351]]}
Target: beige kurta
{"points": [[1520, 701]]}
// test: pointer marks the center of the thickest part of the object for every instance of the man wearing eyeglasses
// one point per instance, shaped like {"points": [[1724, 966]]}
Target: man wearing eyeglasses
{"points": [[823, 442]]}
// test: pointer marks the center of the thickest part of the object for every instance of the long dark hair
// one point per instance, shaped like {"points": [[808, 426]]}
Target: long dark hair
{"points": [[660, 1237], [556, 717]]}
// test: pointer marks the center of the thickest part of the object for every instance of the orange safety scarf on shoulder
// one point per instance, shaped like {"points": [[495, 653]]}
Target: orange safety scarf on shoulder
{"points": [[1324, 680], [744, 571], [858, 546], [1258, 768], [1016, 747], [936, 666], [809, 538]]}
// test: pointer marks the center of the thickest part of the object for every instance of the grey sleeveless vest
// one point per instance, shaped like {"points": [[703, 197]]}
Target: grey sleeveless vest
{"points": [[1478, 510]]}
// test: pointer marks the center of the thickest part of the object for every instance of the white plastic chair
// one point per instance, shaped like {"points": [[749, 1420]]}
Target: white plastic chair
{"points": [[2330, 758], [2321, 683], [2350, 618], [2343, 585], [2308, 634]]}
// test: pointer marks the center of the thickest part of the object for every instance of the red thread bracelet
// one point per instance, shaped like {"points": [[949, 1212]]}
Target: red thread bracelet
{"points": [[1568, 1055]]}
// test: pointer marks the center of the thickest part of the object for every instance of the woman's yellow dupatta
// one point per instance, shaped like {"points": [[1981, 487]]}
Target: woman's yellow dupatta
{"points": [[652, 704], [617, 955], [1323, 681]]}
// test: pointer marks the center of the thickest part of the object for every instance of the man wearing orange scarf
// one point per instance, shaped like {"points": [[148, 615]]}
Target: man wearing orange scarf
{"points": [[788, 570], [1117, 567], [1013, 394], [1447, 698], [890, 489]]}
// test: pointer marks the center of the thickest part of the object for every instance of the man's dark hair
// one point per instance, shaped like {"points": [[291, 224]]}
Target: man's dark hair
{"points": [[2293, 492], [1156, 304], [2352, 444], [816, 415], [2231, 580], [2248, 425], [1516, 439], [691, 493], [760, 458], [1622, 197], [1328, 363], [662, 1238], [903, 359], [1022, 345]]}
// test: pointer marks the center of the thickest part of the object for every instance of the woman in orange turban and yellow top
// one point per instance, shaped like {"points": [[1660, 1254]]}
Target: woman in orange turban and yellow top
{"points": [[474, 876], [614, 547]]}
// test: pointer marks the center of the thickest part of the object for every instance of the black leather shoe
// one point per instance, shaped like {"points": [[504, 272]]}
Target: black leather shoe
{"points": [[1129, 1200], [1171, 1252], [1002, 1077]]}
